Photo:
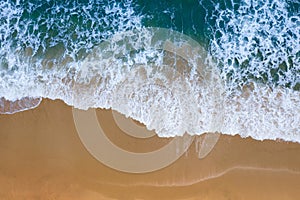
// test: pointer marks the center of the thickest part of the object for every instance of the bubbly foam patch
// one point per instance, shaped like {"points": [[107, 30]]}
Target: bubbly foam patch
{"points": [[262, 113], [258, 41]]}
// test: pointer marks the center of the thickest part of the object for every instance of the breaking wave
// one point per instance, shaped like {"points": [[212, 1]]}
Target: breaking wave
{"points": [[100, 55]]}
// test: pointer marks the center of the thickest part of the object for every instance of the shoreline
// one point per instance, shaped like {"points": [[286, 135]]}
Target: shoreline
{"points": [[43, 157]]}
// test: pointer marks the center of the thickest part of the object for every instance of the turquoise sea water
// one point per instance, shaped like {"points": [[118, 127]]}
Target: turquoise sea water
{"points": [[245, 79]]}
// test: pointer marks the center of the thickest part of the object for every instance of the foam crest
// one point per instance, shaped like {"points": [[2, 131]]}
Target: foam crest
{"points": [[145, 74], [263, 113], [173, 87]]}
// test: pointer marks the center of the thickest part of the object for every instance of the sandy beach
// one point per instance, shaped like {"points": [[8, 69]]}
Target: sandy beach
{"points": [[42, 157], [177, 67]]}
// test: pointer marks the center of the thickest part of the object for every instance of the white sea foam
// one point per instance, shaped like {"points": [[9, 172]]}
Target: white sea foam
{"points": [[259, 40], [162, 78]]}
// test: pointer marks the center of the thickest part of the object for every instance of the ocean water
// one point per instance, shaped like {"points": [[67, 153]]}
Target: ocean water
{"points": [[179, 66]]}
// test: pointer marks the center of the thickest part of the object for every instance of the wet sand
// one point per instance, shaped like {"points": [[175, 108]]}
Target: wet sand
{"points": [[42, 157]]}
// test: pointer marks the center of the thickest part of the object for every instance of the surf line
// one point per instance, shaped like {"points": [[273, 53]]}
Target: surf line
{"points": [[100, 147]]}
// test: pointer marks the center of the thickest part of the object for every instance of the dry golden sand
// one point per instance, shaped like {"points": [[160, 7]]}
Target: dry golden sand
{"points": [[42, 157]]}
